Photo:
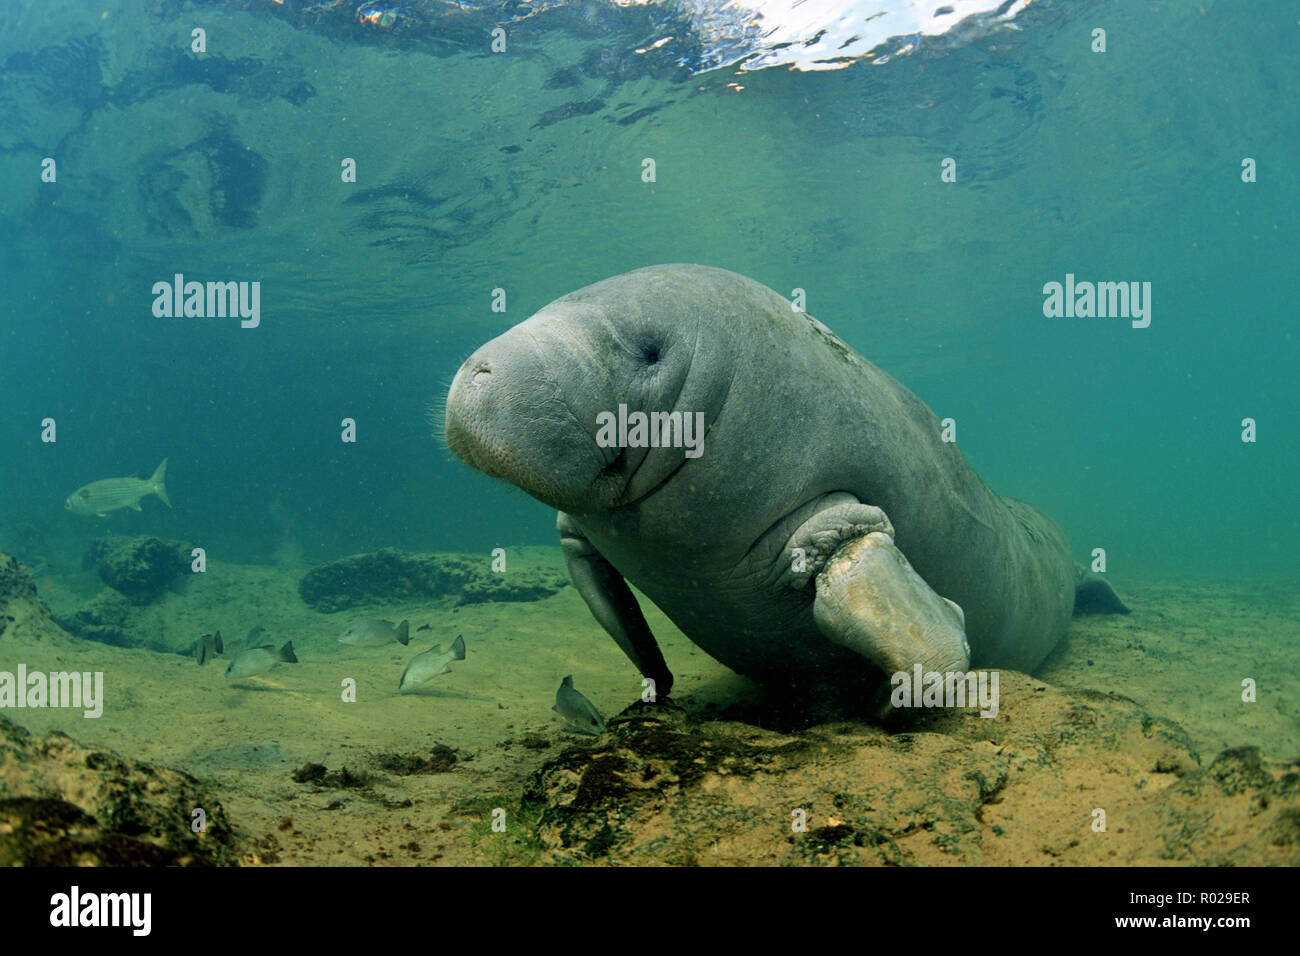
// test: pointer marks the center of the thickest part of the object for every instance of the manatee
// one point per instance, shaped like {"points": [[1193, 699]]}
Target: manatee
{"points": [[819, 533]]}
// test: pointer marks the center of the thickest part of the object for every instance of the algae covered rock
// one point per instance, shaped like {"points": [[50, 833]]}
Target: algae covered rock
{"points": [[21, 609], [106, 618], [387, 575], [1058, 777], [140, 567], [64, 804]]}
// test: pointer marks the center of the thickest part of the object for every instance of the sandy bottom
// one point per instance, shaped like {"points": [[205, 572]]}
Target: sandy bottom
{"points": [[1182, 655]]}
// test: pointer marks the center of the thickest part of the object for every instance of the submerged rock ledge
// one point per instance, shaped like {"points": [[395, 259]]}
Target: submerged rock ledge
{"points": [[390, 575]]}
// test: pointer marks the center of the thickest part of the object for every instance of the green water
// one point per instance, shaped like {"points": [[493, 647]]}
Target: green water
{"points": [[1116, 166]]}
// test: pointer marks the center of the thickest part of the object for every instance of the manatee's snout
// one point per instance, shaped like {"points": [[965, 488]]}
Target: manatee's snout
{"points": [[537, 405], [463, 427], [508, 414]]}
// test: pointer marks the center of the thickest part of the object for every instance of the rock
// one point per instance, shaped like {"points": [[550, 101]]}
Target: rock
{"points": [[1021, 788], [107, 619], [21, 609], [140, 567], [63, 804], [387, 575]]}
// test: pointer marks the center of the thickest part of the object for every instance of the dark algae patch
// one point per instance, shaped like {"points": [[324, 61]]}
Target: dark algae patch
{"points": [[439, 759], [342, 779]]}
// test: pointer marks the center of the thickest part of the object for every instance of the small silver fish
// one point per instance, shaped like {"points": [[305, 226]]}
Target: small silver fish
{"points": [[425, 667], [372, 632], [100, 497], [258, 660], [207, 647], [577, 711]]}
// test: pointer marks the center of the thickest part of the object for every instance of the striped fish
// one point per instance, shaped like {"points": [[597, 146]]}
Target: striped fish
{"points": [[100, 497]]}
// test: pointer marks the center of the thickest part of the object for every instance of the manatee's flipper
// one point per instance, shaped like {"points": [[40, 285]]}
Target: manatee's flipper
{"points": [[839, 518], [870, 599], [1094, 595], [612, 604]]}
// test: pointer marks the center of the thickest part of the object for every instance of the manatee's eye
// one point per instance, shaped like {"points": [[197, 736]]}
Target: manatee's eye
{"points": [[651, 355]]}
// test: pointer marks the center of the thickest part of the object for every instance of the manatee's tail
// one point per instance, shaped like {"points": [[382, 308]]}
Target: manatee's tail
{"points": [[1094, 595], [159, 488]]}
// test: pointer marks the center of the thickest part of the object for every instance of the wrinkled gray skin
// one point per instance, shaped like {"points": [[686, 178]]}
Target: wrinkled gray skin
{"points": [[907, 553]]}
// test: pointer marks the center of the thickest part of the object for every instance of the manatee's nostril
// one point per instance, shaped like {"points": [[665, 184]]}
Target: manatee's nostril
{"points": [[482, 372]]}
